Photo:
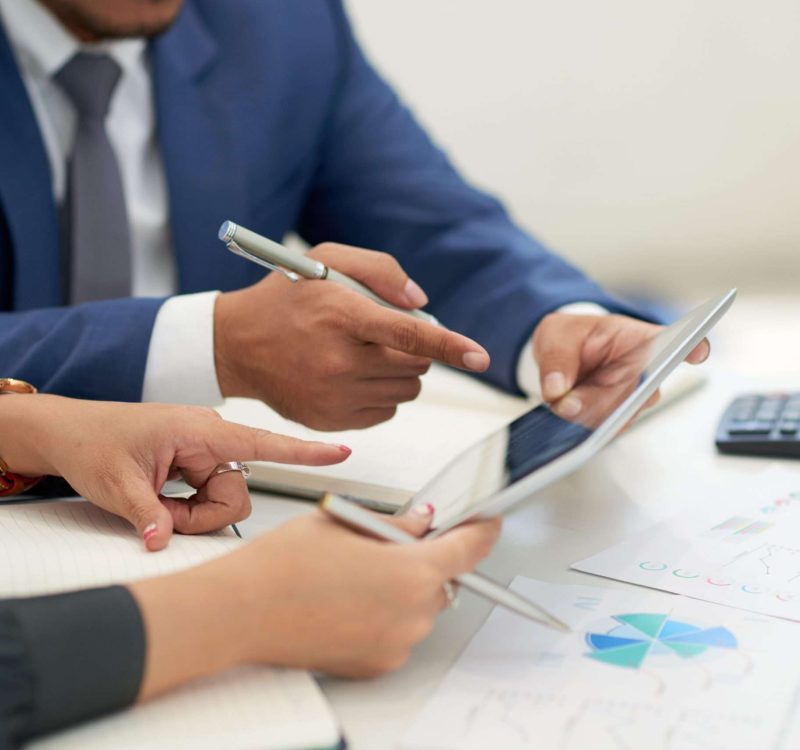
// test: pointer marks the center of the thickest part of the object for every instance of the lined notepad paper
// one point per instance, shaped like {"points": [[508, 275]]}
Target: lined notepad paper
{"points": [[64, 545], [60, 546]]}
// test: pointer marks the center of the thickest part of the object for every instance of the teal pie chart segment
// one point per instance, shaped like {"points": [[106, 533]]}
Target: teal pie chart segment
{"points": [[649, 625]]}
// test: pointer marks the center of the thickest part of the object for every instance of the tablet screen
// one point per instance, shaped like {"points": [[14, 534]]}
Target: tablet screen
{"points": [[546, 433]]}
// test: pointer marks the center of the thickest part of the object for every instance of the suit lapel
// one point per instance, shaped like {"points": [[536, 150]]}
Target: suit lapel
{"points": [[26, 196], [197, 140]]}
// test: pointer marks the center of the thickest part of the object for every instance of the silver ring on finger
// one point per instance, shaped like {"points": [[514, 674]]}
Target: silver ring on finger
{"points": [[224, 468], [451, 593]]}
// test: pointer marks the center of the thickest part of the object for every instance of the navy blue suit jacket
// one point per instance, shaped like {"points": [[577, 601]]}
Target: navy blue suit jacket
{"points": [[268, 114]]}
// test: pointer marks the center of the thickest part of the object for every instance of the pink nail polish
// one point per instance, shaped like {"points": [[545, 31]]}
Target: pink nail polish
{"points": [[424, 510], [149, 532], [344, 449]]}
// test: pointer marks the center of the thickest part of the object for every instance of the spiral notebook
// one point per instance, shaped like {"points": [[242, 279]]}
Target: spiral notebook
{"points": [[58, 546]]}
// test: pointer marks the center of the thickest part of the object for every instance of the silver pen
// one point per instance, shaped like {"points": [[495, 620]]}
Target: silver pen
{"points": [[478, 583], [293, 264]]}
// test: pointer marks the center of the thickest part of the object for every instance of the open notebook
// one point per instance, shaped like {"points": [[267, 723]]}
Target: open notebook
{"points": [[63, 545], [392, 461]]}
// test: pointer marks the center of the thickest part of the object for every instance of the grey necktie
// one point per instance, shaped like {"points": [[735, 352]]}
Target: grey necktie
{"points": [[95, 222]]}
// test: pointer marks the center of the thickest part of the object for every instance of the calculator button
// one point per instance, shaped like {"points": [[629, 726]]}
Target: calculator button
{"points": [[750, 428]]}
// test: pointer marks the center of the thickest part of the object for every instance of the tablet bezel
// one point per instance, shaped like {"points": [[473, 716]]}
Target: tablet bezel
{"points": [[686, 340]]}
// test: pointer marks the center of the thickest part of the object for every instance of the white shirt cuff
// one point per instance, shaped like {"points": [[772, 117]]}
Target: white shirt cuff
{"points": [[180, 361], [528, 369]]}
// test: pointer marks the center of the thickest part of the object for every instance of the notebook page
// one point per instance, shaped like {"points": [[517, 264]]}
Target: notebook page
{"points": [[58, 546], [394, 460], [65, 545], [248, 708], [453, 412]]}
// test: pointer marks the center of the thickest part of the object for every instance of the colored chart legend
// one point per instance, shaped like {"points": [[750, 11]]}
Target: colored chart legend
{"points": [[740, 548]]}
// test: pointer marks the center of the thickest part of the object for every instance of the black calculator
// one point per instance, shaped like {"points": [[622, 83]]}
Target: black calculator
{"points": [[761, 424]]}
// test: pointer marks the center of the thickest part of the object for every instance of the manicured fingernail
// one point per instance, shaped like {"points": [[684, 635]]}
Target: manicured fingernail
{"points": [[344, 449], [149, 532], [555, 385], [414, 294], [424, 510], [477, 361], [569, 406]]}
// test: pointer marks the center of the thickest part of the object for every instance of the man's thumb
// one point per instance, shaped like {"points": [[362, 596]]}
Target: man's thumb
{"points": [[557, 353]]}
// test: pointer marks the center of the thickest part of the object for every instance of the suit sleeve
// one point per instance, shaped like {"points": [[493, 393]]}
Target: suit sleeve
{"points": [[97, 350], [382, 184]]}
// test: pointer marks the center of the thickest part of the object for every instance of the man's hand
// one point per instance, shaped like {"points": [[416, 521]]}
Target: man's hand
{"points": [[568, 348], [320, 354]]}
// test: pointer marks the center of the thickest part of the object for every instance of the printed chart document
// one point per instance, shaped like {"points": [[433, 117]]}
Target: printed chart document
{"points": [[52, 547], [641, 670], [740, 546]]}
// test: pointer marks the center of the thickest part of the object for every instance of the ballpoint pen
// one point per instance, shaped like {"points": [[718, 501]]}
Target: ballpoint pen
{"points": [[293, 264], [359, 517]]}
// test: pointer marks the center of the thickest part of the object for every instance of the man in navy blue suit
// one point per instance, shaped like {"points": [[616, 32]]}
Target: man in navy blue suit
{"points": [[129, 130]]}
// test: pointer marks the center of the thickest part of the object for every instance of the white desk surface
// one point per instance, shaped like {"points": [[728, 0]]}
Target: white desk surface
{"points": [[646, 475]]}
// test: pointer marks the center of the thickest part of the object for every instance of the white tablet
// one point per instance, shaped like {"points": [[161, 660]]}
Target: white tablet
{"points": [[540, 447]]}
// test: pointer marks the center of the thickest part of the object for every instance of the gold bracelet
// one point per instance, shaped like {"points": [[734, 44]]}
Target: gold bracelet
{"points": [[13, 484]]}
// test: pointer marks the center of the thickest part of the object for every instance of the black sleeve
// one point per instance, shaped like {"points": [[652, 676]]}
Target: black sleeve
{"points": [[65, 658]]}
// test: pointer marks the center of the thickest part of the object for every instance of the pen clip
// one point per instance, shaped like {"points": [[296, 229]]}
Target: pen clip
{"points": [[237, 249]]}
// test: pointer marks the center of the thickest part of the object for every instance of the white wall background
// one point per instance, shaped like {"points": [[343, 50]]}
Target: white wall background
{"points": [[655, 143]]}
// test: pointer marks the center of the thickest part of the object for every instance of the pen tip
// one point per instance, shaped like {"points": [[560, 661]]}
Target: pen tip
{"points": [[557, 624]]}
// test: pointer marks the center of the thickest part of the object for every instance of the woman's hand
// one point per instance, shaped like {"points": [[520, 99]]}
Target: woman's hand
{"points": [[312, 594], [118, 456]]}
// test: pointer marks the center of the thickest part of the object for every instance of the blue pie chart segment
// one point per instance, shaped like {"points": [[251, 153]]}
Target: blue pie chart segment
{"points": [[673, 628], [603, 641], [717, 637]]}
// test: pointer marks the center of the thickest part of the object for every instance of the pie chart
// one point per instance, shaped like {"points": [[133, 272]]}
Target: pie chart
{"points": [[639, 636]]}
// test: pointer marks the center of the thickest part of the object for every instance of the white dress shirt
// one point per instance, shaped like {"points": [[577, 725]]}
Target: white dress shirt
{"points": [[180, 362]]}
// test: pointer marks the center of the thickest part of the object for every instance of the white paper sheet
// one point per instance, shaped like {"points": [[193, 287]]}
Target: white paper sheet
{"points": [[641, 671], [740, 547]]}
